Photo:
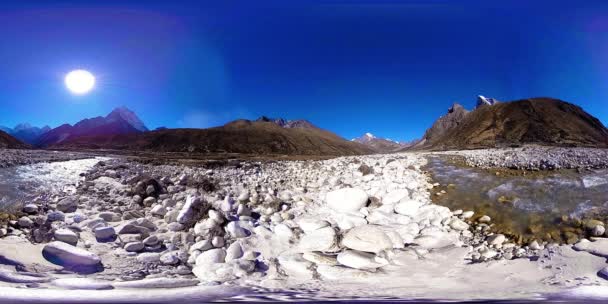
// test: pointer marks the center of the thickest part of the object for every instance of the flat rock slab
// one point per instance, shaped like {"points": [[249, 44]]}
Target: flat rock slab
{"points": [[82, 284], [598, 247], [157, 283], [22, 278], [196, 294], [71, 257]]}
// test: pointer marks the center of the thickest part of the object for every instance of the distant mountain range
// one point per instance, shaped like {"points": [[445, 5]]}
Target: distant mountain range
{"points": [[380, 145], [120, 121], [26, 132], [262, 136], [544, 121]]}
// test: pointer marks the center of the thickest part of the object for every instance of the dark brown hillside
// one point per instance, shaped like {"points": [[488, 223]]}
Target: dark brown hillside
{"points": [[240, 136], [544, 121], [9, 142]]}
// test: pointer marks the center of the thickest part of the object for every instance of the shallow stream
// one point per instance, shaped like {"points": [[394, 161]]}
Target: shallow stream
{"points": [[22, 183], [551, 206]]}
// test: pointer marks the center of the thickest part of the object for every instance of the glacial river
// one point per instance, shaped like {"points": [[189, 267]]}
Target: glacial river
{"points": [[549, 207], [21, 184]]}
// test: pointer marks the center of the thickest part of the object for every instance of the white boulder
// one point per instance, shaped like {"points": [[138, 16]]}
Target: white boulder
{"points": [[368, 238], [323, 239], [346, 199]]}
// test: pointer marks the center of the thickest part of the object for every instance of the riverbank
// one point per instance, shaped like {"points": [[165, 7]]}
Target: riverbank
{"points": [[321, 229], [16, 157], [533, 158]]}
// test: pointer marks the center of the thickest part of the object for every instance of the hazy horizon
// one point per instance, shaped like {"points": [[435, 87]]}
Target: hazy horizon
{"points": [[390, 69]]}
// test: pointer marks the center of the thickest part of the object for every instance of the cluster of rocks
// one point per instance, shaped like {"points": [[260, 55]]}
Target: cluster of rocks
{"points": [[535, 158], [12, 157]]}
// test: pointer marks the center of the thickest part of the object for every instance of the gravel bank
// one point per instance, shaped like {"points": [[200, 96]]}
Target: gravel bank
{"points": [[9, 157], [534, 158]]}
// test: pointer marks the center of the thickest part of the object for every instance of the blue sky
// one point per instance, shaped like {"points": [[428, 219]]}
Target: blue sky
{"points": [[386, 67]]}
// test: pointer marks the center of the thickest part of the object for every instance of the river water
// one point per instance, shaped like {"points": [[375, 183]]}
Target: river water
{"points": [[549, 206], [21, 184]]}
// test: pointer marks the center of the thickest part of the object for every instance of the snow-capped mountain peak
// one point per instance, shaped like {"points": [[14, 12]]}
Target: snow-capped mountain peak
{"points": [[370, 135]]}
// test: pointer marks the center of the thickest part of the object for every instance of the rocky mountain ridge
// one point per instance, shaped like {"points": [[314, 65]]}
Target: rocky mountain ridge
{"points": [[543, 121], [119, 121]]}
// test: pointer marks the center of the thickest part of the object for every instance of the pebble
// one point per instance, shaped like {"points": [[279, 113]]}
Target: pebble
{"points": [[534, 245], [67, 205], [234, 251], [30, 208], [212, 256], [603, 273], [25, 222], [66, 236], [55, 216], [170, 258], [236, 231], [496, 239], [217, 241], [598, 230], [458, 224], [484, 219], [148, 257], [467, 214], [134, 246]]}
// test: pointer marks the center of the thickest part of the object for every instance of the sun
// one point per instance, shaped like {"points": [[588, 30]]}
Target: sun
{"points": [[79, 81]]}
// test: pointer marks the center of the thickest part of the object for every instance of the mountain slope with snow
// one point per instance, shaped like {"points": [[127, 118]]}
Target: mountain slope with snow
{"points": [[380, 145]]}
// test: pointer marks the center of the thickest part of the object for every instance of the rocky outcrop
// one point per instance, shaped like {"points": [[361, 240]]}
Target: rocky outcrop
{"points": [[289, 124], [455, 115]]}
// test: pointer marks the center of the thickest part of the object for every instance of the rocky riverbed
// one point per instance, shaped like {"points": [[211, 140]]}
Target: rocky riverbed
{"points": [[534, 158], [351, 227]]}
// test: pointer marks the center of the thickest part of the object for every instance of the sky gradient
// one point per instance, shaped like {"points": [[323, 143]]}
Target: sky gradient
{"points": [[386, 67]]}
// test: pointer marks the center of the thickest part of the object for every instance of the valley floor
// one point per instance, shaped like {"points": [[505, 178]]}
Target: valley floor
{"points": [[344, 228]]}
